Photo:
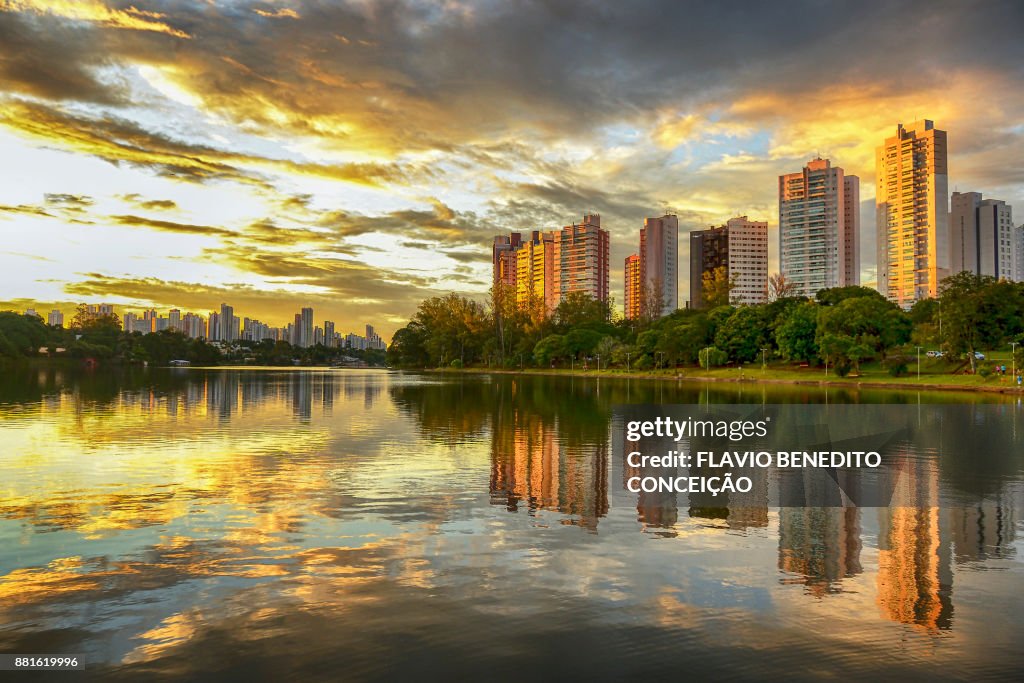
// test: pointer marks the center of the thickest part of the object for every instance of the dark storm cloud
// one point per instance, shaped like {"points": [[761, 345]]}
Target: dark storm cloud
{"points": [[420, 75]]}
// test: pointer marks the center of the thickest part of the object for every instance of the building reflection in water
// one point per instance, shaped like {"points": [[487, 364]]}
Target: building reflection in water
{"points": [[532, 465], [820, 545], [915, 576]]}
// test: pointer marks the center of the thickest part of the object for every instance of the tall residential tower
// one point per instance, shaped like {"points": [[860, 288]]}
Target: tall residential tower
{"points": [[912, 202], [983, 239], [741, 246], [819, 228]]}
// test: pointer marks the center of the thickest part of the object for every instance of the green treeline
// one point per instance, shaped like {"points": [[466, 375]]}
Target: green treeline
{"points": [[843, 326], [100, 338]]}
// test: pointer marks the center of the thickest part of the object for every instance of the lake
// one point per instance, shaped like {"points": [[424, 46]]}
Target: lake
{"points": [[263, 524]]}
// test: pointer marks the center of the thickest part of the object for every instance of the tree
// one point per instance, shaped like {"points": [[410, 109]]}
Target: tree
{"points": [[779, 287], [711, 357], [21, 335], [836, 295], [860, 327], [717, 287], [796, 334], [744, 334], [550, 349], [582, 342], [652, 300], [579, 309], [978, 311]]}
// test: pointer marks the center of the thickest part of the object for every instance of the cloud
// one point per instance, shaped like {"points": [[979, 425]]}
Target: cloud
{"points": [[171, 226], [151, 204], [121, 141], [426, 128], [93, 11]]}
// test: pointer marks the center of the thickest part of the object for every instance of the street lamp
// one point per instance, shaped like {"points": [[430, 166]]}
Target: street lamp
{"points": [[627, 361], [918, 363], [707, 358], [599, 362], [764, 362], [1013, 361]]}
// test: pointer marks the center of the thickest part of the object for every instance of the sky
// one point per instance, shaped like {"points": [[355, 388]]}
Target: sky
{"points": [[360, 156]]}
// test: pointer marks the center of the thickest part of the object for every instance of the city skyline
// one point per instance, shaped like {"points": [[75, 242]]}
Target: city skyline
{"points": [[224, 326], [180, 155]]}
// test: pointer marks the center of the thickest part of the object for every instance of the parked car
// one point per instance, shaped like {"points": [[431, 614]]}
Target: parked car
{"points": [[978, 355], [934, 354]]}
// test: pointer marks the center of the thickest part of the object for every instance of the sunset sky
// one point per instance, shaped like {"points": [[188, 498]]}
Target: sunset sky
{"points": [[358, 157]]}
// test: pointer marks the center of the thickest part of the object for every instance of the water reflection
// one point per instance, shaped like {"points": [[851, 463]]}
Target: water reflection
{"points": [[300, 523]]}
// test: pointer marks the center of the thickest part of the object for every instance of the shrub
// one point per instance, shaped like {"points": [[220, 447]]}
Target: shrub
{"points": [[712, 357], [898, 366], [457, 364]]}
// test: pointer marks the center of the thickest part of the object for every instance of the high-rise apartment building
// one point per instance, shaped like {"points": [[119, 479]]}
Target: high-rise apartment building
{"points": [[550, 265], [1019, 237], [329, 333], [213, 327], [174, 319], [228, 324], [581, 259], [741, 246], [535, 272], [659, 262], [55, 318], [983, 239], [819, 228], [912, 203], [633, 288], [503, 259], [306, 319]]}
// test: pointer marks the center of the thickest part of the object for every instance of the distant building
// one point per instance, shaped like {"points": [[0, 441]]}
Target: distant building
{"points": [[32, 312], [819, 228], [1019, 237], [659, 261], [741, 246], [503, 259], [55, 318], [329, 339], [228, 324], [983, 239], [306, 331], [581, 259], [213, 329], [633, 288], [535, 272], [912, 205]]}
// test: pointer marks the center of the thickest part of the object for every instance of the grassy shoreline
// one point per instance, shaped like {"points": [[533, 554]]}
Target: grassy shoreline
{"points": [[804, 377]]}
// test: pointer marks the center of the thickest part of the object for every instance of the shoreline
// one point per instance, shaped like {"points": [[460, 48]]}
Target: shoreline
{"points": [[852, 383]]}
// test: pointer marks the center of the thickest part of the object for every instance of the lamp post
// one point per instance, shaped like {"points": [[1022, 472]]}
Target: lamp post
{"points": [[707, 358], [764, 361], [1013, 361], [599, 362], [918, 363], [627, 361]]}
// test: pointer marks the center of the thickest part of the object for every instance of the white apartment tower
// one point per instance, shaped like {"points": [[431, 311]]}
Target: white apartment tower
{"points": [[819, 227]]}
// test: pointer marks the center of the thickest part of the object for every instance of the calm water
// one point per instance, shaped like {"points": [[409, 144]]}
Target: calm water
{"points": [[344, 525]]}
